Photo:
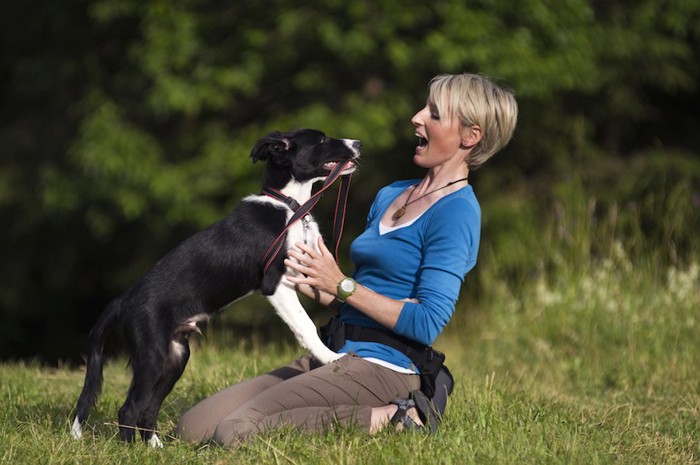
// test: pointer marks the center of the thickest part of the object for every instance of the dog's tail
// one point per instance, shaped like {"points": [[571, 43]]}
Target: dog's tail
{"points": [[95, 361]]}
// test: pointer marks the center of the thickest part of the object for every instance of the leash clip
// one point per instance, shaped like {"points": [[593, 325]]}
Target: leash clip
{"points": [[305, 222]]}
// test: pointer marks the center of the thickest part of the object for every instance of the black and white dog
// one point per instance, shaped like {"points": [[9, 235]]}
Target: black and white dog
{"points": [[208, 271]]}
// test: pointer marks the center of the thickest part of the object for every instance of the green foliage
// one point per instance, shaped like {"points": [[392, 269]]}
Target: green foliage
{"points": [[126, 125], [597, 297]]}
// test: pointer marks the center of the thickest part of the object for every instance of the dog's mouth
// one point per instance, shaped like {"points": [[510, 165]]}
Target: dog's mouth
{"points": [[331, 165]]}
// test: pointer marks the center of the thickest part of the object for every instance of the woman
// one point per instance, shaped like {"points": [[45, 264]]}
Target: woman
{"points": [[421, 239]]}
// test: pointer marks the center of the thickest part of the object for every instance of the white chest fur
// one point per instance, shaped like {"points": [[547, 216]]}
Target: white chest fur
{"points": [[304, 231], [285, 300]]}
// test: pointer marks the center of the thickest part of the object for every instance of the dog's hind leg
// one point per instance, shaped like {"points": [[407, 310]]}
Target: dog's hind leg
{"points": [[146, 363], [174, 366]]}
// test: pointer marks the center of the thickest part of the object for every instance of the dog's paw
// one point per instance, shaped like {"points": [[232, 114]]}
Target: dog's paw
{"points": [[329, 357], [76, 431], [155, 442]]}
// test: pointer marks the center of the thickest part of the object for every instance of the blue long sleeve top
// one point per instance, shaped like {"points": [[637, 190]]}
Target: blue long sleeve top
{"points": [[426, 260]]}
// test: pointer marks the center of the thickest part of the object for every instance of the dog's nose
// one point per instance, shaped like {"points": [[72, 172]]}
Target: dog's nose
{"points": [[357, 145]]}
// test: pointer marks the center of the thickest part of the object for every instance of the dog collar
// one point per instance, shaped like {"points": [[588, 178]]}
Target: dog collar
{"points": [[277, 195]]}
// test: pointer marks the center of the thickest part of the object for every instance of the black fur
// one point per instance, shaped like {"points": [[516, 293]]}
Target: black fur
{"points": [[202, 275]]}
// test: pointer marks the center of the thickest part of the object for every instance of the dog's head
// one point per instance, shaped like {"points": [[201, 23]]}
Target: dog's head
{"points": [[304, 155]]}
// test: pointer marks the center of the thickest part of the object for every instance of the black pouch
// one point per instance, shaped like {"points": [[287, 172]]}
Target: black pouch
{"points": [[333, 334], [429, 364], [444, 383]]}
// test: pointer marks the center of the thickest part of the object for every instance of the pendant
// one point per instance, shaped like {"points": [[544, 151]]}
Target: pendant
{"points": [[399, 213]]}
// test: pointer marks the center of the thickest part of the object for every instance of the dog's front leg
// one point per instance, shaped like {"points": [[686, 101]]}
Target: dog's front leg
{"points": [[287, 305]]}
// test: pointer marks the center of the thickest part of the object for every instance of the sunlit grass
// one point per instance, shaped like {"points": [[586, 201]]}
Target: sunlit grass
{"points": [[588, 353], [599, 369]]}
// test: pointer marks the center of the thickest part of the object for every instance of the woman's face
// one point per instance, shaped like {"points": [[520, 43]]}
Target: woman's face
{"points": [[439, 137]]}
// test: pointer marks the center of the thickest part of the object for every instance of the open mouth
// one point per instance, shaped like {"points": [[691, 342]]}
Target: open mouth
{"points": [[330, 166], [422, 141]]}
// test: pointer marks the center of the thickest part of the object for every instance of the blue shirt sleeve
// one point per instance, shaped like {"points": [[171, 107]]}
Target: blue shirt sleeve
{"points": [[450, 245]]}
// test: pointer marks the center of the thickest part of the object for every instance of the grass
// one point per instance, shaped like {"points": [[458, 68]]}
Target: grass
{"points": [[581, 359], [600, 370]]}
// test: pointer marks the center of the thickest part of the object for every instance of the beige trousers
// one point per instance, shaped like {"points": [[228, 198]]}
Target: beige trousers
{"points": [[303, 394]]}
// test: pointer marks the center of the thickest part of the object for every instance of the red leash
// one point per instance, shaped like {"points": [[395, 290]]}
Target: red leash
{"points": [[303, 210], [341, 204]]}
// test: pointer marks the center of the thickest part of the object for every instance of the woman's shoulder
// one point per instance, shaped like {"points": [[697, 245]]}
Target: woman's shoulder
{"points": [[461, 204]]}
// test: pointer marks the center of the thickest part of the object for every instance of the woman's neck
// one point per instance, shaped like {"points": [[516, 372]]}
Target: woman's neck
{"points": [[441, 176]]}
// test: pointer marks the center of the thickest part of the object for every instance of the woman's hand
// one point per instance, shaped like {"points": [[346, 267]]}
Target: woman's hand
{"points": [[319, 270], [316, 269]]}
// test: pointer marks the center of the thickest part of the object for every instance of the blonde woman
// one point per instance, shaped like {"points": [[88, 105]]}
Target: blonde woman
{"points": [[421, 239]]}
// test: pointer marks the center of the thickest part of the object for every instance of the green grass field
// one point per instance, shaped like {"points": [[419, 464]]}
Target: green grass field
{"points": [[565, 350], [598, 368]]}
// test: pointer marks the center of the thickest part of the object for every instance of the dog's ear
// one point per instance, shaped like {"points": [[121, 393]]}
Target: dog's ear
{"points": [[272, 146]]}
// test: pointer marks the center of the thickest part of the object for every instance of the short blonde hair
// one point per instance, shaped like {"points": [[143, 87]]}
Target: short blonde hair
{"points": [[475, 100]]}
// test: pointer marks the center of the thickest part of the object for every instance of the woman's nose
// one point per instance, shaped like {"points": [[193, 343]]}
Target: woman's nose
{"points": [[419, 118], [416, 120]]}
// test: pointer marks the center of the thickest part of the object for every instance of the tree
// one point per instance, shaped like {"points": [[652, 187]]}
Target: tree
{"points": [[126, 125]]}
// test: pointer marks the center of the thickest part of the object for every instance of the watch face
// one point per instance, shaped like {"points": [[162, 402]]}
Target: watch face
{"points": [[347, 285]]}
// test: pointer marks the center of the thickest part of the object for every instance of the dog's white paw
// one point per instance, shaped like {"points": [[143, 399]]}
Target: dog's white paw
{"points": [[76, 431], [328, 357], [155, 442]]}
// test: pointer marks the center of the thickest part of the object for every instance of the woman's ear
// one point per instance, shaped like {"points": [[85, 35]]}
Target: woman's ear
{"points": [[471, 135]]}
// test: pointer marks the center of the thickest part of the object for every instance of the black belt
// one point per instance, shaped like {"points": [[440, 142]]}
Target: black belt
{"points": [[425, 358]]}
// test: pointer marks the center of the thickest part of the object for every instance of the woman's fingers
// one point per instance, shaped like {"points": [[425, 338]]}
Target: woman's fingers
{"points": [[297, 266], [315, 267], [306, 249], [322, 247], [295, 255]]}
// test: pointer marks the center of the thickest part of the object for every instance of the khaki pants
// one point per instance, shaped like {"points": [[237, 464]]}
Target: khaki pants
{"points": [[304, 394]]}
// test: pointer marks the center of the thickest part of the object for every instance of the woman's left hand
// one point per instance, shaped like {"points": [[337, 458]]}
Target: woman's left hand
{"points": [[317, 269]]}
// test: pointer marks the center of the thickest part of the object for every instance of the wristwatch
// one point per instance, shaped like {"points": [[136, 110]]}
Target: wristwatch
{"points": [[346, 288]]}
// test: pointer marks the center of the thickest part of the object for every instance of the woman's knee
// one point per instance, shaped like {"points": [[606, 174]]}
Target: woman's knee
{"points": [[233, 432], [191, 428]]}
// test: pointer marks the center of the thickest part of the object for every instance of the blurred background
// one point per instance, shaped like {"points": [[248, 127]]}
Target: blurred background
{"points": [[126, 126]]}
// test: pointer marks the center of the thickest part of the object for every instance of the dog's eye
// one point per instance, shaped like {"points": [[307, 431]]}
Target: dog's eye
{"points": [[324, 140]]}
